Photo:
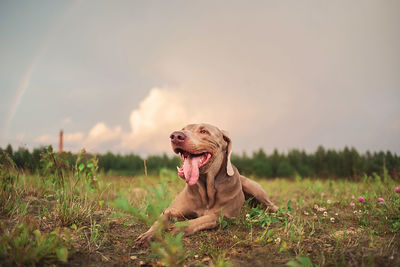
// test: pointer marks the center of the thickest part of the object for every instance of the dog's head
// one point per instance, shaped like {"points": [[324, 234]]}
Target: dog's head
{"points": [[203, 148]]}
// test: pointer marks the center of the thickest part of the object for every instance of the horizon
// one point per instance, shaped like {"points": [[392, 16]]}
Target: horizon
{"points": [[238, 153]]}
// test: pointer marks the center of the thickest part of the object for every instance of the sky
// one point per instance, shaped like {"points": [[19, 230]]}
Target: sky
{"points": [[120, 76]]}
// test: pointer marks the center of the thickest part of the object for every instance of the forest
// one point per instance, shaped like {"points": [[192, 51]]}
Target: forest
{"points": [[323, 163]]}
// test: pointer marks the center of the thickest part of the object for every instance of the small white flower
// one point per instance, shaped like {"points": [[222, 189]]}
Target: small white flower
{"points": [[336, 214], [359, 211], [306, 213], [277, 240], [329, 201], [355, 212], [321, 209], [247, 215], [325, 214], [332, 220]]}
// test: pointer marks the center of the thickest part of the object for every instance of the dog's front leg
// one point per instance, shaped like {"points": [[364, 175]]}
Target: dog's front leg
{"points": [[146, 237], [208, 221], [167, 215]]}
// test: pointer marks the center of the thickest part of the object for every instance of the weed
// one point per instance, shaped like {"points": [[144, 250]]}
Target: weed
{"points": [[73, 203], [54, 169], [166, 246], [221, 221], [86, 170], [156, 201], [10, 194], [219, 259], [27, 245], [95, 233], [300, 261]]}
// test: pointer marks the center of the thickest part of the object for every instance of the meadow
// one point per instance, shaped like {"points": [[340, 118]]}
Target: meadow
{"points": [[74, 215]]}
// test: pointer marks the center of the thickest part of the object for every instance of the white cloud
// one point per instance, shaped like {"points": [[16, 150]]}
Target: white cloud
{"points": [[100, 133], [162, 111], [94, 141], [168, 109]]}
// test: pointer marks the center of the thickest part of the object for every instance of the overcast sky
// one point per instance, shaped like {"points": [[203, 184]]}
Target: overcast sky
{"points": [[121, 75]]}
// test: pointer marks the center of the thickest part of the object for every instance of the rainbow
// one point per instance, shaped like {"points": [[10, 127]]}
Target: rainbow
{"points": [[26, 78], [22, 86]]}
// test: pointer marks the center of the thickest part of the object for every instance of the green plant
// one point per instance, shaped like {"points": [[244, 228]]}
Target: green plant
{"points": [[54, 168], [394, 215], [219, 259], [156, 201], [27, 245], [73, 208], [10, 193], [73, 203], [300, 261], [86, 170], [221, 221], [95, 235], [167, 246], [263, 218]]}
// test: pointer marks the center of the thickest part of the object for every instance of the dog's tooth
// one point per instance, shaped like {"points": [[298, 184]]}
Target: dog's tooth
{"points": [[177, 168]]}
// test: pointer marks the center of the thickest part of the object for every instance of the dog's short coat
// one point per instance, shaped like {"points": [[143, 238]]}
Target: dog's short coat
{"points": [[214, 186]]}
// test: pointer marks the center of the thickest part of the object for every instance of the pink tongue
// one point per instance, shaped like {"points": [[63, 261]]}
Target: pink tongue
{"points": [[191, 169]]}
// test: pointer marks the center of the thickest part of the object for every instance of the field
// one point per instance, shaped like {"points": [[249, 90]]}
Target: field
{"points": [[76, 216]]}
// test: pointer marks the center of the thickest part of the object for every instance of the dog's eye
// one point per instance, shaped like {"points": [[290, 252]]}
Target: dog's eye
{"points": [[203, 131]]}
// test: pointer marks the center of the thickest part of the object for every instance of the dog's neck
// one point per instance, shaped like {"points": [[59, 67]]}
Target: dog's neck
{"points": [[205, 184]]}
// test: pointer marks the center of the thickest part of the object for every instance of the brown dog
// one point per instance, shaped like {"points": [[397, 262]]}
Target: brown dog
{"points": [[214, 186]]}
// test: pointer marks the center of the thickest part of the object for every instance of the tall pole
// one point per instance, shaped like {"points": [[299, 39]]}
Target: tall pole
{"points": [[60, 144]]}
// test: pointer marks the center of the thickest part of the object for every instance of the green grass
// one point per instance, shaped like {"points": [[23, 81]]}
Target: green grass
{"points": [[25, 245], [74, 214]]}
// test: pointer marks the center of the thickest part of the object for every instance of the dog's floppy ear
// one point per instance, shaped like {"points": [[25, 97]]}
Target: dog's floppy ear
{"points": [[229, 168]]}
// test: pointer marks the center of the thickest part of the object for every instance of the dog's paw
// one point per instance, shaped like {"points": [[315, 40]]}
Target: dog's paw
{"points": [[144, 239], [273, 208]]}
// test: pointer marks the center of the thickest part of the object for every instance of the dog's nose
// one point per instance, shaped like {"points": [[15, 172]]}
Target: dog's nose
{"points": [[177, 137]]}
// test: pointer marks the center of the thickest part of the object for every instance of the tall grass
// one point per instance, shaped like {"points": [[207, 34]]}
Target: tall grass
{"points": [[71, 190]]}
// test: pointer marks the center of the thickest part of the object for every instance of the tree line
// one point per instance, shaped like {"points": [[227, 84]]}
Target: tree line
{"points": [[323, 163]]}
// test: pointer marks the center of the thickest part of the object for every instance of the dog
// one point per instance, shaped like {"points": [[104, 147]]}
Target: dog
{"points": [[213, 185]]}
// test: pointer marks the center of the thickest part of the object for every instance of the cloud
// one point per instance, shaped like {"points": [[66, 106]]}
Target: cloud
{"points": [[74, 138], [162, 111], [159, 113], [96, 140], [72, 141], [167, 109], [100, 133]]}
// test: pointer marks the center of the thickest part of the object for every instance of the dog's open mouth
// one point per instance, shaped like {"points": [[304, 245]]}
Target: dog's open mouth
{"points": [[191, 163]]}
